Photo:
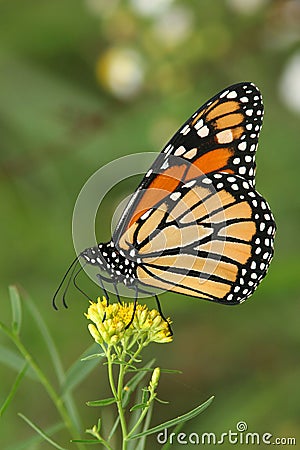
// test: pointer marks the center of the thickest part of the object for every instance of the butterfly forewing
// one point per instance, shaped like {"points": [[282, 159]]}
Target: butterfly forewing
{"points": [[221, 136]]}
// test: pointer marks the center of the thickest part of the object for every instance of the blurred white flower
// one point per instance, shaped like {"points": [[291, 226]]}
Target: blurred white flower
{"points": [[283, 29], [246, 6], [174, 25], [289, 83], [150, 7], [121, 71], [100, 7]]}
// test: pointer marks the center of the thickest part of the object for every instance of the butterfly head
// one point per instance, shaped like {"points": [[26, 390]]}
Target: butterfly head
{"points": [[108, 258]]}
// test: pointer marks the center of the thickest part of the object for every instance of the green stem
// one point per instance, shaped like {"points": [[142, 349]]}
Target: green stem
{"points": [[136, 354], [100, 439], [44, 381], [120, 406], [117, 393], [143, 414]]}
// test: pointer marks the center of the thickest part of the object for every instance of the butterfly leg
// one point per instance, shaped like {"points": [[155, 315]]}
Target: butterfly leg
{"points": [[162, 315], [117, 293], [134, 308], [105, 292], [159, 308]]}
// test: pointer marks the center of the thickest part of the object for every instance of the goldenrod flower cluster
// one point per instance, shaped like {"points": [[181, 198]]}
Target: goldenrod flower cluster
{"points": [[110, 324]]}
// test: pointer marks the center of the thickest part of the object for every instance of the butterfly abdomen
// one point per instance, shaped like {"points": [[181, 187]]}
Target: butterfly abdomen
{"points": [[108, 258]]}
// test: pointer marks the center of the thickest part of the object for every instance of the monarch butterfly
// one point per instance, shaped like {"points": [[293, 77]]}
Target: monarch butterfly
{"points": [[196, 225]]}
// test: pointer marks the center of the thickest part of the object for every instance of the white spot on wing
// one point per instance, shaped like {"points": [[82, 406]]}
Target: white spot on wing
{"points": [[189, 184], [175, 196], [165, 165], [232, 94], [199, 124], [203, 132], [180, 150], [242, 146], [224, 137]]}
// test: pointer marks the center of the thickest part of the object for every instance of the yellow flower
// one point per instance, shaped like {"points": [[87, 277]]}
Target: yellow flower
{"points": [[110, 324]]}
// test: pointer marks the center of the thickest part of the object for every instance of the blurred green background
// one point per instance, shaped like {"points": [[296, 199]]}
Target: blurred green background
{"points": [[83, 82]]}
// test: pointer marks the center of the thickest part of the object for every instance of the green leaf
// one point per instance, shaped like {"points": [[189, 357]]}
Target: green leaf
{"points": [[42, 327], [142, 442], [171, 371], [41, 432], [170, 423], [139, 406], [56, 361], [79, 371], [176, 430], [16, 309], [145, 395], [104, 402], [12, 360], [135, 380], [94, 356], [164, 402], [13, 390], [136, 369], [86, 441], [33, 441]]}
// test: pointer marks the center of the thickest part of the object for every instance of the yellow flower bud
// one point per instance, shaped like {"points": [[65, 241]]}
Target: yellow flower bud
{"points": [[154, 379]]}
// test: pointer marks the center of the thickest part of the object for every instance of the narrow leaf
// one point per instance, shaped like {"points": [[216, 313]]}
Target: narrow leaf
{"points": [[136, 369], [114, 427], [159, 400], [16, 307], [145, 395], [94, 356], [86, 441], [176, 430], [142, 442], [138, 406], [33, 441], [170, 423], [135, 380], [171, 371], [41, 432], [104, 402], [56, 361], [13, 390], [79, 370], [41, 325], [12, 360]]}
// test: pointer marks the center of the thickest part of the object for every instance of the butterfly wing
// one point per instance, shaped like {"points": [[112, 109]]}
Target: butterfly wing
{"points": [[221, 136], [196, 225], [211, 238]]}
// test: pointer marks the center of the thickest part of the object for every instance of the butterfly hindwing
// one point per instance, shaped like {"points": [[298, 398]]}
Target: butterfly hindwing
{"points": [[212, 238]]}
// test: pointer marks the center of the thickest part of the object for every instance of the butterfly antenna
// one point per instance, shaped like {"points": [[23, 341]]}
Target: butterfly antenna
{"points": [[76, 285], [68, 285], [62, 282]]}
